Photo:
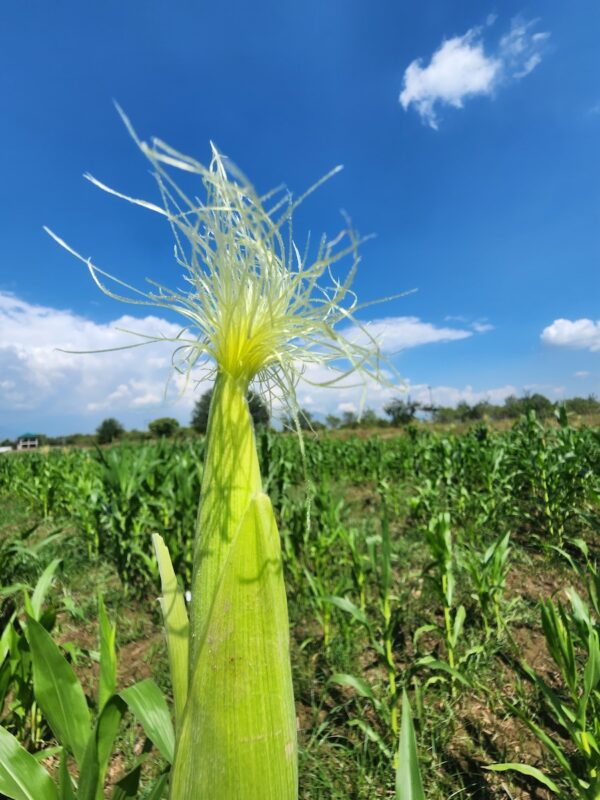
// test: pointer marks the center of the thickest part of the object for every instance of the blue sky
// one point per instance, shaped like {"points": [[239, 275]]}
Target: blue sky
{"points": [[469, 135]]}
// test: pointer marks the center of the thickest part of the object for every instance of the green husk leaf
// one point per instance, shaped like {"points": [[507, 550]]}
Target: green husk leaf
{"points": [[240, 720]]}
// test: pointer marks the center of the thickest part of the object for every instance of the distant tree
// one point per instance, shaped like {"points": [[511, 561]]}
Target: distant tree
{"points": [[401, 412], [164, 426], [349, 419], [258, 410], [583, 405], [137, 436], [109, 430], [512, 407], [199, 421], [333, 421], [369, 419], [538, 403], [257, 406]]}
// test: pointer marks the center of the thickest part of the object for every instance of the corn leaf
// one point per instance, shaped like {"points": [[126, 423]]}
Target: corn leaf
{"points": [[360, 686], [531, 772], [65, 784], [436, 664], [107, 684], [58, 692], [99, 749], [21, 777], [408, 774], [176, 626], [42, 586], [150, 708], [349, 607]]}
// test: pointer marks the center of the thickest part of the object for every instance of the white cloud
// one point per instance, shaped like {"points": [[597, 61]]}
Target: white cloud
{"points": [[544, 388], [399, 333], [583, 334], [520, 48], [482, 327], [38, 379], [38, 383], [582, 373], [461, 68], [374, 395], [452, 396]]}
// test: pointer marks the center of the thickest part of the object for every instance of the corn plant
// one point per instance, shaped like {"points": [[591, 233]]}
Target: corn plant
{"points": [[441, 575], [254, 310], [574, 707], [81, 740], [380, 628], [19, 711], [488, 572], [409, 785]]}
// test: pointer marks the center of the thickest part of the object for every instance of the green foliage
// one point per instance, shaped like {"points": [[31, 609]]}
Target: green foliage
{"points": [[403, 532], [408, 774], [401, 412], [19, 711], [572, 638], [109, 430], [488, 572], [164, 426], [60, 697]]}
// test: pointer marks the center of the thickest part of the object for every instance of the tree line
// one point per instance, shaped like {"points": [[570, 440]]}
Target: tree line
{"points": [[398, 413]]}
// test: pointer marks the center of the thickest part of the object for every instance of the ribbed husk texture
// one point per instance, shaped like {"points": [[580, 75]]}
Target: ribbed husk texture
{"points": [[237, 738]]}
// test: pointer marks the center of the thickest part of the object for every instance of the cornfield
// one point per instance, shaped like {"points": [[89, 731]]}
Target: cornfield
{"points": [[459, 570]]}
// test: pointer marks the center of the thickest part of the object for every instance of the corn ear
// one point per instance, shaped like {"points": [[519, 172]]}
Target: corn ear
{"points": [[238, 737]]}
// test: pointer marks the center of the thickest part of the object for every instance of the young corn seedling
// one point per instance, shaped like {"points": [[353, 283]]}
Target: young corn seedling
{"points": [[443, 581], [574, 707], [83, 743], [488, 572], [19, 711], [256, 312], [380, 630]]}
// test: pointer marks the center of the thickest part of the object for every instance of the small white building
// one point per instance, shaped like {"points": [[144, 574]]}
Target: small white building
{"points": [[27, 441]]}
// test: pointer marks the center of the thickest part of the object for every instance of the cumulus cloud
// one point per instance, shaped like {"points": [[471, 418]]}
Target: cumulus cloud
{"points": [[482, 327], [37, 379], [38, 383], [463, 67], [393, 334], [582, 373], [452, 396], [375, 396], [583, 334]]}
